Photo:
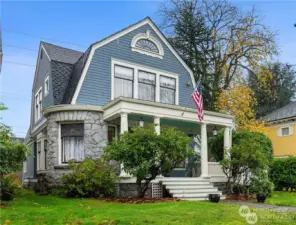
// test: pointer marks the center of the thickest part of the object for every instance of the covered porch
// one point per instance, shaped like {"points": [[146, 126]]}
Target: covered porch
{"points": [[125, 113]]}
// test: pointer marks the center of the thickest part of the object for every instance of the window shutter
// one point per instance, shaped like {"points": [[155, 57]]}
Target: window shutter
{"points": [[291, 131]]}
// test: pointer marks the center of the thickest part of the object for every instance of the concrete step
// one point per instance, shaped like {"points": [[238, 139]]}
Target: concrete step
{"points": [[188, 187], [183, 179], [195, 195], [187, 183], [188, 191]]}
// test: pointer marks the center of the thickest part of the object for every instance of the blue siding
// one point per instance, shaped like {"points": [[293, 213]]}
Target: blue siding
{"points": [[43, 71], [96, 88]]}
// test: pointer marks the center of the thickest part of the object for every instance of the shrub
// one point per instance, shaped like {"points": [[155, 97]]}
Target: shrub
{"points": [[216, 144], [144, 154], [7, 188], [283, 173], [246, 159], [260, 184], [90, 178]]}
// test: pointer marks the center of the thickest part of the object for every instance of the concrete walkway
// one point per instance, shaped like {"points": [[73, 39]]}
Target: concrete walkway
{"points": [[261, 205]]}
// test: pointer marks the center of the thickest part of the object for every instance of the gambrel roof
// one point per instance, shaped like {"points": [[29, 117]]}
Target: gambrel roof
{"points": [[70, 86]]}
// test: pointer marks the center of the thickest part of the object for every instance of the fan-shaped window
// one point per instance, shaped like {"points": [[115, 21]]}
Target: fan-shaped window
{"points": [[147, 45]]}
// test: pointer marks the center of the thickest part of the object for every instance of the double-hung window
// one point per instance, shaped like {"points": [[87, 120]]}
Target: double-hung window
{"points": [[72, 139], [39, 155], [146, 85], [167, 90], [38, 105], [124, 81], [46, 85]]}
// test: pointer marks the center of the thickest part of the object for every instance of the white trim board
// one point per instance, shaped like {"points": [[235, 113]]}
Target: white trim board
{"points": [[118, 35]]}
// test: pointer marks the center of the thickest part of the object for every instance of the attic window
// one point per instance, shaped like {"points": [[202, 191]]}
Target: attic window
{"points": [[41, 54], [147, 44]]}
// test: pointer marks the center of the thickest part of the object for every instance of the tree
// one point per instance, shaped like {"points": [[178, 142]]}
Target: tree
{"points": [[276, 91], [145, 155], [218, 41], [239, 101], [12, 153], [11, 158]]}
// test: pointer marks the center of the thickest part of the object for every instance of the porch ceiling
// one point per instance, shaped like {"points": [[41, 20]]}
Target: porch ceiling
{"points": [[155, 109]]}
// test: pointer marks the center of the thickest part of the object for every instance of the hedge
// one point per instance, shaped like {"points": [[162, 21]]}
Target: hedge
{"points": [[283, 173]]}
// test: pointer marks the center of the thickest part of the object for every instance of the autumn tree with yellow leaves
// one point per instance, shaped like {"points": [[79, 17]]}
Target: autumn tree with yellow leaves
{"points": [[239, 101]]}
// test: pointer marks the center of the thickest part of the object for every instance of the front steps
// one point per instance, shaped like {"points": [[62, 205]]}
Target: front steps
{"points": [[194, 189]]}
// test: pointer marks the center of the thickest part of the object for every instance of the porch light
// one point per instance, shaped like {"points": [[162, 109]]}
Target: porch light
{"points": [[215, 131], [141, 122]]}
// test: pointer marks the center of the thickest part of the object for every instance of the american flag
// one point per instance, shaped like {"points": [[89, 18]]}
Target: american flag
{"points": [[197, 98]]}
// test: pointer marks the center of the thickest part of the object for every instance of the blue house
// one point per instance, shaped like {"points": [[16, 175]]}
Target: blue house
{"points": [[83, 100]]}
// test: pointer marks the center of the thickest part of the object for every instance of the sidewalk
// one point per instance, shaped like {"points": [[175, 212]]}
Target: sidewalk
{"points": [[261, 205]]}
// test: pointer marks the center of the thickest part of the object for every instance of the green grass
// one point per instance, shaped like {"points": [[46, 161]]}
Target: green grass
{"points": [[51, 210], [282, 198]]}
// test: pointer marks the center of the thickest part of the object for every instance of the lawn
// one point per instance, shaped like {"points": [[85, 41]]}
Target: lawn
{"points": [[32, 209], [282, 198]]}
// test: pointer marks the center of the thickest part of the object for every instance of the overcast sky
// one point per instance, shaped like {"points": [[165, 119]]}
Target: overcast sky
{"points": [[83, 23]]}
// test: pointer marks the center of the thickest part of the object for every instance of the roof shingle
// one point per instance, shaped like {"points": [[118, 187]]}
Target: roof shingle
{"points": [[288, 111], [61, 54]]}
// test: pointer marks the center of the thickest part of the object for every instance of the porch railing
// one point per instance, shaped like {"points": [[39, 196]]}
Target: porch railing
{"points": [[215, 169]]}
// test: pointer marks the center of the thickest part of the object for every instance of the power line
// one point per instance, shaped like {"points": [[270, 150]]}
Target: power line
{"points": [[20, 47], [40, 37], [21, 64]]}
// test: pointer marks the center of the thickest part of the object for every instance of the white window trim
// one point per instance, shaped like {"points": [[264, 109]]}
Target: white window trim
{"points": [[151, 38], [37, 115], [39, 154], [280, 133], [60, 163], [46, 90], [136, 68]]}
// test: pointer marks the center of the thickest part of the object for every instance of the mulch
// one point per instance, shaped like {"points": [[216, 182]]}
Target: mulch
{"points": [[140, 200], [240, 197]]}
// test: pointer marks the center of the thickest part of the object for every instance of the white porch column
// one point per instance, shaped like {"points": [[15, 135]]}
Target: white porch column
{"points": [[227, 141], [157, 125], [204, 151], [123, 128]]}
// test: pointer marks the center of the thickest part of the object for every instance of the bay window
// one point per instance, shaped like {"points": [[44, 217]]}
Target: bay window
{"points": [[146, 85], [72, 140], [123, 81], [167, 90]]}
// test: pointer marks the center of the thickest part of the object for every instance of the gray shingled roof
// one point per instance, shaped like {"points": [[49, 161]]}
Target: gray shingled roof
{"points": [[288, 111], [61, 54]]}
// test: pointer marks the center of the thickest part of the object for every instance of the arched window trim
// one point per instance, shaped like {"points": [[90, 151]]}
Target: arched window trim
{"points": [[149, 37]]}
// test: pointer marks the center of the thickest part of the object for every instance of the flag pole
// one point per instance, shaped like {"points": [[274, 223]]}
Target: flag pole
{"points": [[197, 83]]}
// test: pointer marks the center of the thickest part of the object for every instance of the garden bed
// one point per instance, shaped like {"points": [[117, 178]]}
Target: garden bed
{"points": [[240, 197], [140, 200]]}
